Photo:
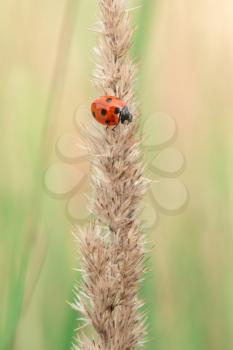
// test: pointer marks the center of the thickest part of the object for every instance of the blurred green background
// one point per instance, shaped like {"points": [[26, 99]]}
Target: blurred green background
{"points": [[185, 51]]}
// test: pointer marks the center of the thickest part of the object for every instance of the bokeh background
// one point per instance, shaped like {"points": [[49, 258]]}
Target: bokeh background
{"points": [[185, 52]]}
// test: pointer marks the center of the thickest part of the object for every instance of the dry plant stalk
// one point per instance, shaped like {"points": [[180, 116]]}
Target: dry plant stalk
{"points": [[112, 248]]}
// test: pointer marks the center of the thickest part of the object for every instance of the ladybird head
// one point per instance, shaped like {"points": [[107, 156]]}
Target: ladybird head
{"points": [[125, 115]]}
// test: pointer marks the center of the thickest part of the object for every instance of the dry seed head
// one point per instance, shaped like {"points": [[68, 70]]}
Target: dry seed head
{"points": [[112, 248]]}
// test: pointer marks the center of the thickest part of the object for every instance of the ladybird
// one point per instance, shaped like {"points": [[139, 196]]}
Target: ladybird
{"points": [[110, 111]]}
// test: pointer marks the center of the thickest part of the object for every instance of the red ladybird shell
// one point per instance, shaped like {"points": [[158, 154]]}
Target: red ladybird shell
{"points": [[106, 110]]}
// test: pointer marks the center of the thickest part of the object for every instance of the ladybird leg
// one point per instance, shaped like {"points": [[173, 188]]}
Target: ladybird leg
{"points": [[113, 129]]}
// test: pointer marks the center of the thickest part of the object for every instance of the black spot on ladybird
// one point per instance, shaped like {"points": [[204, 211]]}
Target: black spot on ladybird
{"points": [[103, 111], [117, 110], [109, 100], [93, 113], [107, 121]]}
